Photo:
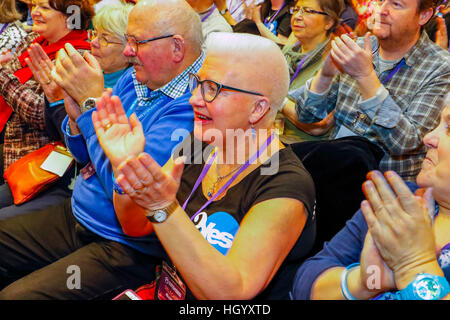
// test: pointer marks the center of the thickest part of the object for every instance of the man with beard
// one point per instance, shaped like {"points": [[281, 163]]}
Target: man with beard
{"points": [[388, 88]]}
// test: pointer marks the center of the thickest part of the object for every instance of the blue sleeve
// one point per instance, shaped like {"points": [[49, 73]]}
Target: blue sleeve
{"points": [[157, 128], [75, 143], [312, 107], [344, 249]]}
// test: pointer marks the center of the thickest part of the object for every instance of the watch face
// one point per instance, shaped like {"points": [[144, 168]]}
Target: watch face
{"points": [[88, 104], [427, 289], [160, 216]]}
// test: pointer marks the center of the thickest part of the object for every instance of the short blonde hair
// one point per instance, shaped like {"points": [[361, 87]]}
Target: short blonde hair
{"points": [[113, 18]]}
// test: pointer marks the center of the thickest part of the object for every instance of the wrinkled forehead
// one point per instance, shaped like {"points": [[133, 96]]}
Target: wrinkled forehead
{"points": [[307, 3], [225, 67], [142, 21]]}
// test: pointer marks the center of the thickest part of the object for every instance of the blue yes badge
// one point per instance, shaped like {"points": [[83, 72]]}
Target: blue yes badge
{"points": [[272, 27], [218, 229]]}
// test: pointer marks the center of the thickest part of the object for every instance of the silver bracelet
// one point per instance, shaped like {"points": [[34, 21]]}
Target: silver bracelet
{"points": [[344, 288]]}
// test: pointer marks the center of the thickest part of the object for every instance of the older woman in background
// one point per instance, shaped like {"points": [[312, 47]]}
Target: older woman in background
{"points": [[397, 247], [11, 31], [107, 44], [313, 23], [22, 102]]}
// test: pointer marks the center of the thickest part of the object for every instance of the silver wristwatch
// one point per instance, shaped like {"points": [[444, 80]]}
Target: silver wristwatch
{"points": [[161, 215], [87, 104]]}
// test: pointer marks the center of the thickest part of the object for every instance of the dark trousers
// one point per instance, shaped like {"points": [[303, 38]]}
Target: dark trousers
{"points": [[49, 255]]}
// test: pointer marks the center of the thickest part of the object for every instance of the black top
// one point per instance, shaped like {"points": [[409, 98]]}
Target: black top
{"points": [[220, 220], [282, 20]]}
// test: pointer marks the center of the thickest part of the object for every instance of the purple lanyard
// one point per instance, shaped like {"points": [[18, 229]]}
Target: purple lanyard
{"points": [[209, 13], [226, 185], [300, 65], [3, 28], [237, 8], [275, 15], [393, 72]]}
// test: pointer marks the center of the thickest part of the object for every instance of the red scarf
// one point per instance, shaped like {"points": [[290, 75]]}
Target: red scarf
{"points": [[78, 38]]}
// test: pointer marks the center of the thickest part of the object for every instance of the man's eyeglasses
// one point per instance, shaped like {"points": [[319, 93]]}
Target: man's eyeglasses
{"points": [[133, 43], [211, 89], [305, 11], [92, 34]]}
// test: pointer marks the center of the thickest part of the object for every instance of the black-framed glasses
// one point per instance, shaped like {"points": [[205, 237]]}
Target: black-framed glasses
{"points": [[305, 11], [133, 43], [92, 34], [211, 89]]}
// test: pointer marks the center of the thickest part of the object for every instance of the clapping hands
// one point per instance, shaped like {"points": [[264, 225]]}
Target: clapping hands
{"points": [[119, 136], [399, 224]]}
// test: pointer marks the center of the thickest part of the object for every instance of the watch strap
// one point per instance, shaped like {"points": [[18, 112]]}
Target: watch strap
{"points": [[168, 210], [409, 292], [222, 12]]}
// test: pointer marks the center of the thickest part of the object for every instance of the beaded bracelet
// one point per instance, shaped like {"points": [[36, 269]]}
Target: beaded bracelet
{"points": [[344, 276], [116, 186]]}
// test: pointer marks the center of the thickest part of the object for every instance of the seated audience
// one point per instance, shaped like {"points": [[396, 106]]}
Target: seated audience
{"points": [[234, 10], [398, 245], [11, 31], [84, 230], [391, 87], [255, 216], [22, 102], [106, 47], [271, 19], [212, 20], [313, 23]]}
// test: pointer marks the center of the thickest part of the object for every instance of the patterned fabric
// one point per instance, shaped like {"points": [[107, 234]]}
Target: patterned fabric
{"points": [[174, 89], [25, 130], [397, 118], [11, 38]]}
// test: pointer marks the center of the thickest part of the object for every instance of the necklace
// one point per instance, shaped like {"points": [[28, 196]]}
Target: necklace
{"points": [[220, 178]]}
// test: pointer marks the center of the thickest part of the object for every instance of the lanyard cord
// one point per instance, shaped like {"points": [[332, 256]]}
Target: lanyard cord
{"points": [[228, 183]]}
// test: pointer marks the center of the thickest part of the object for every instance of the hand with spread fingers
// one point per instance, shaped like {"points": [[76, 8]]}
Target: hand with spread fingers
{"points": [[354, 60], [118, 136], [149, 185], [400, 225], [41, 66], [81, 77]]}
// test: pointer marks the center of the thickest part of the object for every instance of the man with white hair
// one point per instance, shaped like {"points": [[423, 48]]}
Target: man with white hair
{"points": [[164, 42]]}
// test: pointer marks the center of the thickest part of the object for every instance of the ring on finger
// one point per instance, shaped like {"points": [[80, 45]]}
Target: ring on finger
{"points": [[107, 126]]}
